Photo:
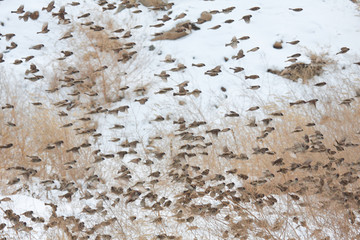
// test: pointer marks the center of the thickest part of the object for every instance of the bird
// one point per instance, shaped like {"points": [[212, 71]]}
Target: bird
{"points": [[19, 10], [228, 10], [293, 42], [253, 49], [252, 77], [253, 108], [296, 9], [44, 29], [66, 35], [254, 87], [343, 50], [12, 46], [237, 69], [254, 8], [180, 16], [229, 21], [84, 15], [247, 18], [28, 58], [9, 145], [320, 84], [215, 27], [8, 36], [233, 43], [49, 7], [37, 47]]}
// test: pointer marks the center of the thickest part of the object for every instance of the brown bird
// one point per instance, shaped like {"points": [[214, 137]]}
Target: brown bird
{"points": [[157, 25], [232, 114], [237, 69], [19, 10], [97, 28], [252, 77], [278, 45], [254, 8], [84, 15], [293, 42], [296, 9], [44, 29], [198, 65], [74, 4], [12, 46], [8, 36], [163, 75], [244, 38], [17, 62], [87, 23], [66, 35], [9, 145], [313, 102], [215, 27], [343, 50], [239, 55], [246, 18], [49, 7], [142, 101], [233, 43], [253, 49], [254, 87], [28, 58], [181, 15], [253, 108], [229, 21], [37, 47], [34, 15], [320, 84], [165, 18], [228, 10]]}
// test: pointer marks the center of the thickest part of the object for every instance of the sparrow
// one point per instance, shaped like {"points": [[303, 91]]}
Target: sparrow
{"points": [[246, 18], [44, 29], [320, 84], [228, 10], [215, 27], [198, 64], [181, 15], [253, 49], [293, 42], [233, 43], [19, 10], [252, 77], [49, 7], [84, 15], [278, 45], [296, 9], [254, 8], [254, 87], [8, 36], [12, 46], [343, 50], [37, 47]]}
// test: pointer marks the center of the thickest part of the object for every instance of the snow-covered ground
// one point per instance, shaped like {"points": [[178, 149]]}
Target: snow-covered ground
{"points": [[328, 29]]}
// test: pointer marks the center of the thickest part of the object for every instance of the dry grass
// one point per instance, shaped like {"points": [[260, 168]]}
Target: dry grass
{"points": [[38, 132], [304, 71]]}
